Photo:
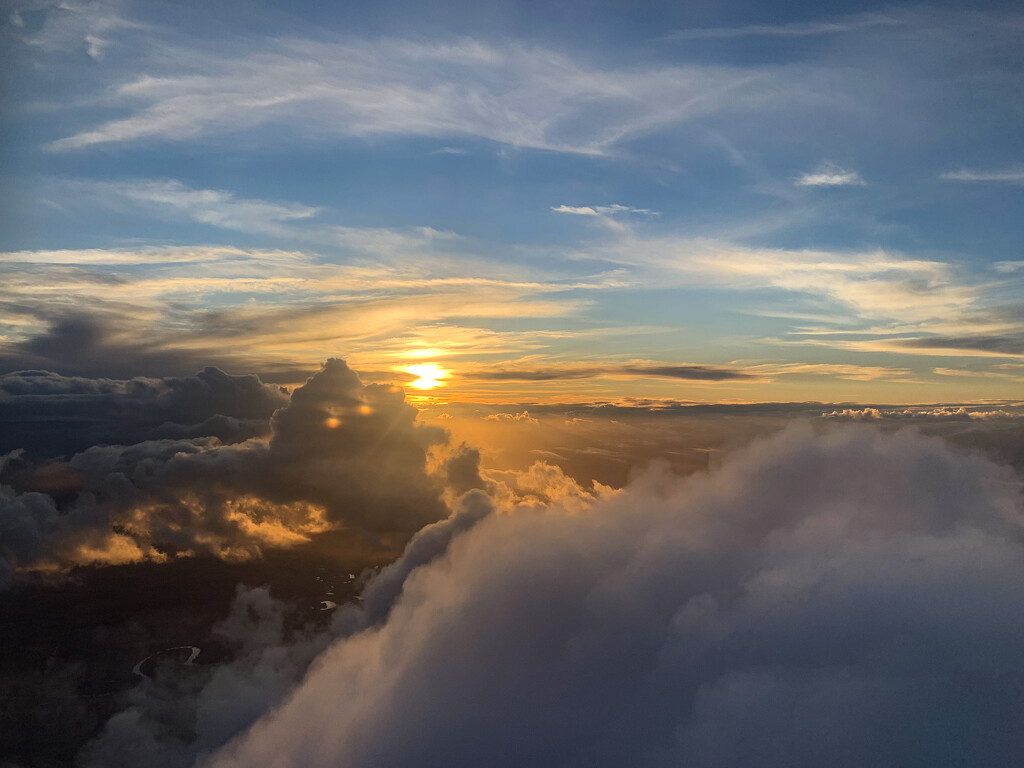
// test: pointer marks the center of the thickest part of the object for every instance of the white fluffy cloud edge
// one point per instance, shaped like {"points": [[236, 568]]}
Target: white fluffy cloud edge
{"points": [[826, 596]]}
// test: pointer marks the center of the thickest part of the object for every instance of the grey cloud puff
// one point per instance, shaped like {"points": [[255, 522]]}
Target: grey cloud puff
{"points": [[844, 598]]}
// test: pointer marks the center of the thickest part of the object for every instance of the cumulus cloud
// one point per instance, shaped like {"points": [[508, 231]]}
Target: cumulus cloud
{"points": [[940, 413], [523, 417], [340, 454], [778, 610]]}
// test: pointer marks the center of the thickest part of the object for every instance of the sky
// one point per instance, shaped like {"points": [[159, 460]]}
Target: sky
{"points": [[562, 384], [541, 203]]}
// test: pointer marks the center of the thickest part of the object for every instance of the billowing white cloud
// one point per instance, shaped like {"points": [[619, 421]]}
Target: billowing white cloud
{"points": [[844, 598]]}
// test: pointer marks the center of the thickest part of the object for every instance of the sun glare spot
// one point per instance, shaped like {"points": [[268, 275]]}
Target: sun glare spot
{"points": [[430, 376], [332, 422]]}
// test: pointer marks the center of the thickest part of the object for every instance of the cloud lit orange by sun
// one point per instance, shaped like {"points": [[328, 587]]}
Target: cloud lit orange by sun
{"points": [[430, 375]]}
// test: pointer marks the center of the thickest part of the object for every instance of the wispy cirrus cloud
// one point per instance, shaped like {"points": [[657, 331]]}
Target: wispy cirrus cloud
{"points": [[857, 301], [553, 371], [1013, 175], [176, 307], [513, 94], [854, 23], [216, 207]]}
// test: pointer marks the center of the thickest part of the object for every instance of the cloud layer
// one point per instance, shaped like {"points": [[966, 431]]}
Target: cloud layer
{"points": [[779, 610]]}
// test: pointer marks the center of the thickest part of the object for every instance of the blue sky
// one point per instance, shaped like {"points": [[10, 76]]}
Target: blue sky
{"points": [[550, 201]]}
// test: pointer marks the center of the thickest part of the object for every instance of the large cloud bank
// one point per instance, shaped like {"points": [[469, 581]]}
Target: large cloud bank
{"points": [[50, 415], [340, 454], [841, 598]]}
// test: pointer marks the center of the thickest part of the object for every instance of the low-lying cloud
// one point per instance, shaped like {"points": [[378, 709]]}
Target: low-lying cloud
{"points": [[839, 597]]}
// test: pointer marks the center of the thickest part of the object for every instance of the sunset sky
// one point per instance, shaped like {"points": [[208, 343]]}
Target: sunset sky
{"points": [[511, 383], [548, 203]]}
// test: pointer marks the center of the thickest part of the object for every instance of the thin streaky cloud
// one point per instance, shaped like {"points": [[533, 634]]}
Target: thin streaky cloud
{"points": [[514, 95], [792, 29], [1009, 176]]}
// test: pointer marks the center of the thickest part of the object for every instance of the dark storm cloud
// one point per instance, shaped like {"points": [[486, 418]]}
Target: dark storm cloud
{"points": [[843, 598], [51, 415], [340, 454], [686, 372]]}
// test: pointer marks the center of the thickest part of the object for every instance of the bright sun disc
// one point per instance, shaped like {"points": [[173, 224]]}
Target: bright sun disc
{"points": [[430, 375]]}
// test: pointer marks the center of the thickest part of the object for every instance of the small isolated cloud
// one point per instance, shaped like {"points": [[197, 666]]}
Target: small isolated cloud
{"points": [[830, 175], [602, 210], [450, 151], [522, 418], [1008, 176]]}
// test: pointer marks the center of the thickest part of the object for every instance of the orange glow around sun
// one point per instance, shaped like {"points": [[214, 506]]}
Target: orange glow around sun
{"points": [[430, 375]]}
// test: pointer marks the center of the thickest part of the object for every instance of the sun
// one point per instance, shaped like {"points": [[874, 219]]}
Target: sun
{"points": [[430, 375]]}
